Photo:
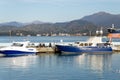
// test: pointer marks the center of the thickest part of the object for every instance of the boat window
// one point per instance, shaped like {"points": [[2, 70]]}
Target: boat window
{"points": [[90, 44], [31, 44], [77, 43], [86, 44], [17, 44], [101, 45], [81, 44]]}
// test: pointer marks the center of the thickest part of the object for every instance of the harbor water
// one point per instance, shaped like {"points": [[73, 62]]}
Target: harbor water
{"points": [[103, 66]]}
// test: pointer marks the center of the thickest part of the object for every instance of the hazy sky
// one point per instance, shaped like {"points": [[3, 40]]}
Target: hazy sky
{"points": [[54, 10]]}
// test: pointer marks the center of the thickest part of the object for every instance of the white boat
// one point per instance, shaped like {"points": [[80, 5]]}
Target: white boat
{"points": [[19, 48]]}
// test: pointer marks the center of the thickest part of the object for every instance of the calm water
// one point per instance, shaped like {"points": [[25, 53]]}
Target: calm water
{"points": [[7, 39], [56, 67]]}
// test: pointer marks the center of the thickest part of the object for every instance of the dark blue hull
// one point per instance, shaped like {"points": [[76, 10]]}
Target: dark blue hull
{"points": [[65, 48], [15, 53]]}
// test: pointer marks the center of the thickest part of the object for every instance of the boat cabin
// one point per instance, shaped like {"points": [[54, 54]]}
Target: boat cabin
{"points": [[22, 44]]}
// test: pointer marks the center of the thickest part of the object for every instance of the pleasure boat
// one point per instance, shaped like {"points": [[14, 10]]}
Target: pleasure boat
{"points": [[19, 48], [93, 44]]}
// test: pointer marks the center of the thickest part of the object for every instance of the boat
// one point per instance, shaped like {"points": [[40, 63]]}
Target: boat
{"points": [[93, 44], [113, 32], [113, 29], [19, 49], [85, 47]]}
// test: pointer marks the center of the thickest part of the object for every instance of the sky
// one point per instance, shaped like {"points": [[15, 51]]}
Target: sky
{"points": [[54, 10]]}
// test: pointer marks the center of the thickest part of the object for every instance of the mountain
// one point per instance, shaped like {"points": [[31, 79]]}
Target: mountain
{"points": [[85, 25], [103, 19], [19, 24], [13, 23], [71, 27], [36, 22]]}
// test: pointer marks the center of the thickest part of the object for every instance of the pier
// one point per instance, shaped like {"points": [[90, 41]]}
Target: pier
{"points": [[46, 50]]}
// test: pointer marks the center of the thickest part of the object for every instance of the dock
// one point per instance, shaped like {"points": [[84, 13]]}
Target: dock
{"points": [[46, 49], [116, 46]]}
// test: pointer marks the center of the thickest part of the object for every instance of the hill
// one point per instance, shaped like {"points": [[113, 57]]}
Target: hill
{"points": [[103, 19], [12, 23], [72, 27]]}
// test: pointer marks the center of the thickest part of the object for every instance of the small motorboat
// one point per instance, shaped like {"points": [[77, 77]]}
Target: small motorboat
{"points": [[19, 49]]}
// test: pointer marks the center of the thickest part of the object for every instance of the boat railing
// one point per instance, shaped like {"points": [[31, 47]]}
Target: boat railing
{"points": [[17, 45]]}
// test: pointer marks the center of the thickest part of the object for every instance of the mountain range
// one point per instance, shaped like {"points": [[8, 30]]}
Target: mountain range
{"points": [[86, 24], [19, 24]]}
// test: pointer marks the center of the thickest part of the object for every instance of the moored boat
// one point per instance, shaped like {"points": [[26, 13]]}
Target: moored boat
{"points": [[94, 44], [113, 29], [113, 32], [18, 49], [85, 47]]}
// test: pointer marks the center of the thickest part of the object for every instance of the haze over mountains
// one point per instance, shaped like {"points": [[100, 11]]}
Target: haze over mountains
{"points": [[84, 25], [19, 24]]}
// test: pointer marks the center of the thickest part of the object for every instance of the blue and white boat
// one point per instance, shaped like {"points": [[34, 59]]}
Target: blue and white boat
{"points": [[18, 49], [94, 44]]}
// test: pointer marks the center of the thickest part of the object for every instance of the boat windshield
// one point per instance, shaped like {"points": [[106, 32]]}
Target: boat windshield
{"points": [[17, 44]]}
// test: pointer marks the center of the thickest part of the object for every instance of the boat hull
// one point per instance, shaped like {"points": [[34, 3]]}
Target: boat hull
{"points": [[15, 53], [81, 49]]}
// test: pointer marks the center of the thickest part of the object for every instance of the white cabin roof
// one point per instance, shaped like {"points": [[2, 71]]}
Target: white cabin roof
{"points": [[95, 39]]}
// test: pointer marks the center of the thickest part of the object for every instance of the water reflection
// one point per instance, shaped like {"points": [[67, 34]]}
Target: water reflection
{"points": [[94, 62], [98, 62], [24, 62], [20, 62], [55, 67]]}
